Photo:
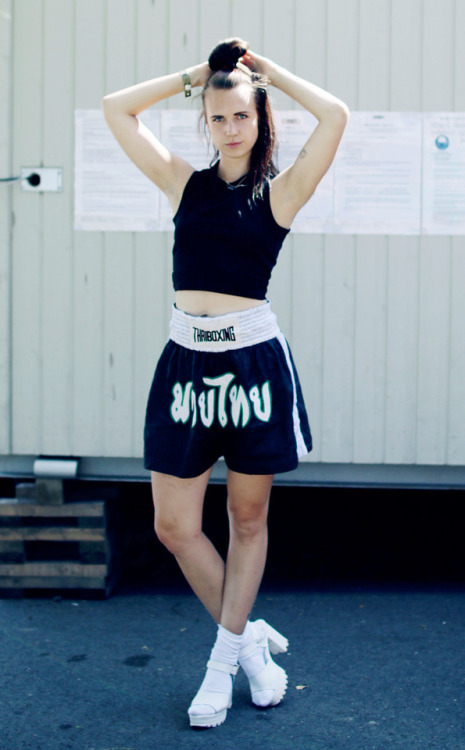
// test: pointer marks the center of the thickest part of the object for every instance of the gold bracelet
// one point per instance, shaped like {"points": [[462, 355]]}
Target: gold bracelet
{"points": [[186, 82]]}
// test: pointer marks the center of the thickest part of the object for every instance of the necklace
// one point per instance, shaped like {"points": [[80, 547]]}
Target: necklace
{"points": [[241, 182]]}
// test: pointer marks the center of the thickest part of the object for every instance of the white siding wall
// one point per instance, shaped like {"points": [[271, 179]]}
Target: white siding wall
{"points": [[375, 323], [5, 223]]}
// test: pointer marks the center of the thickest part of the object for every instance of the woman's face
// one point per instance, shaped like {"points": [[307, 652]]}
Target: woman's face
{"points": [[231, 116]]}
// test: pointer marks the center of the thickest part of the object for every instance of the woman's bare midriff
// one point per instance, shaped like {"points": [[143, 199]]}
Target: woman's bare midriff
{"points": [[199, 303]]}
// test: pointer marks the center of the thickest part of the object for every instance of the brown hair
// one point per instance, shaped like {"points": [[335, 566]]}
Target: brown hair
{"points": [[228, 72]]}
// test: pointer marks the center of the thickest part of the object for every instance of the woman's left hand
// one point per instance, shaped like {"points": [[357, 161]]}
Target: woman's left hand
{"points": [[258, 63]]}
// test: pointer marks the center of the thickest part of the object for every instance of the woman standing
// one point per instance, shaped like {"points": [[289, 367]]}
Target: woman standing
{"points": [[226, 384]]}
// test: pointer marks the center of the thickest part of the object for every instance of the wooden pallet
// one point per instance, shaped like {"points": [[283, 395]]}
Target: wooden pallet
{"points": [[59, 547]]}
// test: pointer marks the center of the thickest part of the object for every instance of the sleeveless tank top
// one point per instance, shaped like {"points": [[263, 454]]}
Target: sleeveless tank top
{"points": [[223, 240]]}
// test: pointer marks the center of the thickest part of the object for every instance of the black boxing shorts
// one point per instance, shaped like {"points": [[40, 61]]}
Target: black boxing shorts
{"points": [[225, 386]]}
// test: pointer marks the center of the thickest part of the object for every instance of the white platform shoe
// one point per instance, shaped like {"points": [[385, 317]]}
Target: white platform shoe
{"points": [[209, 708], [267, 680]]}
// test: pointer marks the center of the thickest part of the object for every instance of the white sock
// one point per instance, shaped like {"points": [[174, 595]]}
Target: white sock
{"points": [[254, 662], [226, 651], [248, 634], [226, 648]]}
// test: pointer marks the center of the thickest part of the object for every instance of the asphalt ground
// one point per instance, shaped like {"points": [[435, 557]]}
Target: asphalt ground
{"points": [[375, 668]]}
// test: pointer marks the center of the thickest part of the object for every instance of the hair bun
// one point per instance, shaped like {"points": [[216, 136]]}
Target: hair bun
{"points": [[226, 54]]}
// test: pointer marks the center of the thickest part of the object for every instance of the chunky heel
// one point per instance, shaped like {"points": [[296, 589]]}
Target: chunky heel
{"points": [[278, 644]]}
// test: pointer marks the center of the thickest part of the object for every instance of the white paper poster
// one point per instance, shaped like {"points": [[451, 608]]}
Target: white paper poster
{"points": [[394, 173], [444, 173], [378, 174], [182, 134], [294, 129], [110, 192]]}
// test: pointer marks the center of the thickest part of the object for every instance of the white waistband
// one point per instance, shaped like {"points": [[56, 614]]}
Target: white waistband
{"points": [[224, 332]]}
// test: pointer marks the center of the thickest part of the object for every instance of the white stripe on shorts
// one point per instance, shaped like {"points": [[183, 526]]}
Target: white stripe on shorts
{"points": [[299, 438]]}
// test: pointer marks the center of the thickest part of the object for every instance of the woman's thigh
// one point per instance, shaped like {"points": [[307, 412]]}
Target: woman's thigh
{"points": [[178, 503]]}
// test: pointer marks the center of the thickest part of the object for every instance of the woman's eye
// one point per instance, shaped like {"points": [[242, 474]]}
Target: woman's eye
{"points": [[242, 116]]}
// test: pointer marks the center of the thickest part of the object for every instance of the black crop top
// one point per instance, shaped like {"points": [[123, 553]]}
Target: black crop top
{"points": [[223, 240]]}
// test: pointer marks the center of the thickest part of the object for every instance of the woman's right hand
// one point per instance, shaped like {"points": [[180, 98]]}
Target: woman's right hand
{"points": [[121, 109]]}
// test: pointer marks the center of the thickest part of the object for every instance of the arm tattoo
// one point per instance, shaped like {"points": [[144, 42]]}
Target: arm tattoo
{"points": [[303, 153]]}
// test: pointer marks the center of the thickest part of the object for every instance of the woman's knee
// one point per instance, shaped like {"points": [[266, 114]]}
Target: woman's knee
{"points": [[178, 505], [248, 522], [248, 501], [175, 535]]}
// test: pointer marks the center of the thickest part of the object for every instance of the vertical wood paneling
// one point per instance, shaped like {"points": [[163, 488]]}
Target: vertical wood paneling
{"points": [[308, 256], [27, 237], [404, 252], [118, 288], [184, 48], [402, 350], [373, 69], [433, 351], [339, 270], [5, 223], [214, 25], [152, 262], [88, 333], [338, 353], [438, 55], [371, 261], [152, 39], [307, 329], [434, 329], [459, 50], [278, 41], [311, 41], [246, 22], [343, 43], [57, 296], [370, 350], [456, 365], [406, 55], [152, 290], [118, 345]]}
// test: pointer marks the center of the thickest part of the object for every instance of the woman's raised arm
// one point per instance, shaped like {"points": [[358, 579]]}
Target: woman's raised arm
{"points": [[165, 169], [292, 188]]}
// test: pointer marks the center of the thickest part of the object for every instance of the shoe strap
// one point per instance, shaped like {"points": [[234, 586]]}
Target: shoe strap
{"points": [[250, 648], [222, 667]]}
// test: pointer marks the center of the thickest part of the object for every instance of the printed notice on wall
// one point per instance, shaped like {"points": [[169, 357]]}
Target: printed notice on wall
{"points": [[110, 193], [378, 174], [394, 173], [293, 130], [443, 173], [181, 133]]}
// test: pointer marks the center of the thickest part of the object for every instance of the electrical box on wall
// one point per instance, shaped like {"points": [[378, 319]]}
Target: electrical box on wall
{"points": [[41, 179]]}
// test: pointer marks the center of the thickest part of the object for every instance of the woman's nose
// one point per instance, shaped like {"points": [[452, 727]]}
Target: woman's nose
{"points": [[231, 126]]}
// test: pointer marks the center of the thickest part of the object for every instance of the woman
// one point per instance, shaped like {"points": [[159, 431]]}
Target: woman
{"points": [[225, 384]]}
